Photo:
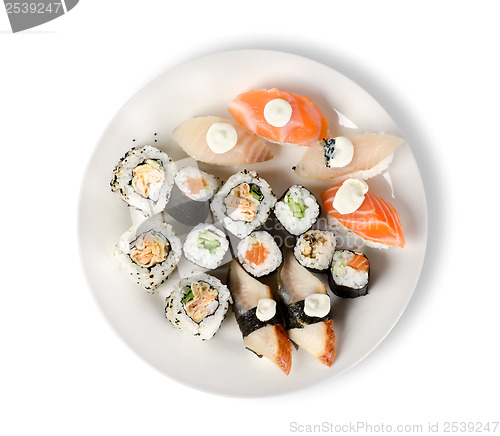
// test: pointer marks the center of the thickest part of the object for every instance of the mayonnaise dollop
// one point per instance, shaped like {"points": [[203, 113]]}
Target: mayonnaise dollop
{"points": [[338, 152], [221, 137], [350, 196], [278, 112], [266, 309], [317, 305]]}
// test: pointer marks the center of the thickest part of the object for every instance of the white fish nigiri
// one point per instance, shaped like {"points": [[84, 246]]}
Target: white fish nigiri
{"points": [[373, 153], [191, 135], [264, 339], [314, 334]]}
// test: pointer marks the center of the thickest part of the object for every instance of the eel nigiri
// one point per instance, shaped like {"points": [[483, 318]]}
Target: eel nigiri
{"points": [[265, 338], [376, 222], [280, 116], [195, 135], [373, 153], [313, 333]]}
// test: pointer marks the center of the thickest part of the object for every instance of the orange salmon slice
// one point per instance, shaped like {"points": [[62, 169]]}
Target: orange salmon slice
{"points": [[257, 254], [307, 124], [359, 262]]}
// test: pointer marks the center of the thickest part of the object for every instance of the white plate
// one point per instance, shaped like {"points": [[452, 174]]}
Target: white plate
{"points": [[205, 86]]}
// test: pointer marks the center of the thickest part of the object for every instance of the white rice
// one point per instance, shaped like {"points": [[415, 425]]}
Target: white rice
{"points": [[297, 225], [243, 228], [149, 278], [369, 173], [344, 275], [123, 175], [272, 261], [202, 256], [210, 186], [178, 317], [317, 255]]}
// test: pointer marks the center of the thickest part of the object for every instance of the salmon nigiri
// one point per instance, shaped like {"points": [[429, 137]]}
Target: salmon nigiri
{"points": [[229, 144], [311, 331], [375, 221], [372, 154], [264, 337], [280, 116]]}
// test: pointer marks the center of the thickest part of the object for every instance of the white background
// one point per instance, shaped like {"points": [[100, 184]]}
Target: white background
{"points": [[432, 65]]}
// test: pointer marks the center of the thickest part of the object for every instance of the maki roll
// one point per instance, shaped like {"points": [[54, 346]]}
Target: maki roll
{"points": [[307, 310], [349, 274], [198, 305], [144, 178], [196, 184], [149, 252], [260, 322], [206, 246], [314, 249], [259, 254], [243, 203], [297, 210]]}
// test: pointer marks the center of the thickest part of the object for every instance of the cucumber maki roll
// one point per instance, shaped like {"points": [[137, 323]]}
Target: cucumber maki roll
{"points": [[314, 249], [259, 254], [198, 305], [297, 210], [149, 252], [144, 178], [349, 274], [243, 203], [206, 246]]}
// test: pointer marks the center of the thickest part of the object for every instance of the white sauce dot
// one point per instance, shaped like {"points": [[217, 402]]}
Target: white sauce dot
{"points": [[278, 112], [344, 152], [266, 309], [350, 196], [317, 305], [221, 137]]}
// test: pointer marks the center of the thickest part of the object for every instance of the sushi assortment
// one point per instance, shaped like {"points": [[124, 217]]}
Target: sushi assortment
{"points": [[280, 294]]}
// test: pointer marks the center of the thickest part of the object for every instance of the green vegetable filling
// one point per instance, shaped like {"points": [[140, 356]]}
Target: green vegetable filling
{"points": [[255, 191], [188, 295], [298, 207], [209, 241]]}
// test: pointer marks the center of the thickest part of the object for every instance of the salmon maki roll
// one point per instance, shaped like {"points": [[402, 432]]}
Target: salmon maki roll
{"points": [[259, 320], [280, 116], [259, 254], [349, 274], [375, 223], [307, 310]]}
